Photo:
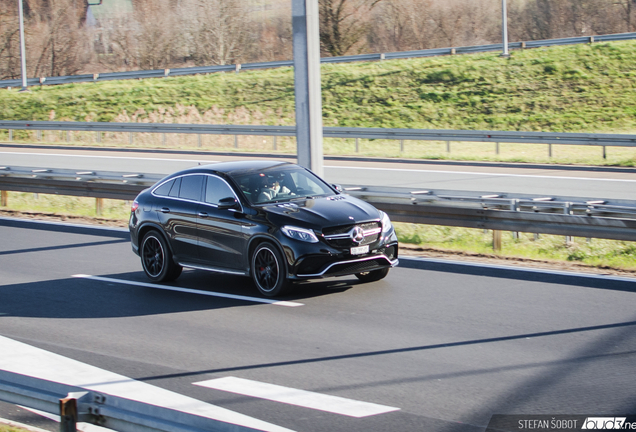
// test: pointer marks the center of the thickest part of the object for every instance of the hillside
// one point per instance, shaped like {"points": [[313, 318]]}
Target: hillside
{"points": [[582, 88]]}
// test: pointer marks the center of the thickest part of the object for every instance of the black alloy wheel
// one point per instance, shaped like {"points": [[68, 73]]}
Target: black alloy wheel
{"points": [[268, 270], [156, 259], [374, 275]]}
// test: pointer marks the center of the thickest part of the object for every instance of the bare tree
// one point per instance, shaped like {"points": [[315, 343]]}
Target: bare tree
{"points": [[218, 31], [343, 23]]}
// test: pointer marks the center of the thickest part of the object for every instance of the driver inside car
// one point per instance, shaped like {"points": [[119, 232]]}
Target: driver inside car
{"points": [[270, 188]]}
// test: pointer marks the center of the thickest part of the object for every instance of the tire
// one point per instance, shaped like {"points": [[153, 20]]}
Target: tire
{"points": [[373, 276], [268, 270], [156, 258]]}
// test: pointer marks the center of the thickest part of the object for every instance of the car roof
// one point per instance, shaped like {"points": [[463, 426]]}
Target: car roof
{"points": [[237, 167]]}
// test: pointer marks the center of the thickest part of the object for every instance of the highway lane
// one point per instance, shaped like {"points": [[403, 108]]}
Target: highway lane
{"points": [[443, 346], [603, 183]]}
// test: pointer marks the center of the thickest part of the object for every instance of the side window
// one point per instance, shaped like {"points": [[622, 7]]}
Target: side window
{"points": [[217, 189], [174, 192], [191, 187], [164, 189]]}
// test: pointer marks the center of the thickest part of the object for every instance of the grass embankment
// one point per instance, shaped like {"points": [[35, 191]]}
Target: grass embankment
{"points": [[604, 254], [582, 88]]}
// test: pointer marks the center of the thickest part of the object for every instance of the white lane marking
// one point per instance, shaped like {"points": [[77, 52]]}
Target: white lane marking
{"points": [[484, 174], [521, 269], [301, 398], [20, 358], [191, 291], [65, 155]]}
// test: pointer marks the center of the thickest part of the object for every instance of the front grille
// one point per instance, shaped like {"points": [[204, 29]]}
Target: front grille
{"points": [[338, 237], [356, 267]]}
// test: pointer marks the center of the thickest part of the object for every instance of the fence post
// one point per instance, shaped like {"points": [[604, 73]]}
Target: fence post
{"points": [[496, 240], [68, 414], [4, 198]]}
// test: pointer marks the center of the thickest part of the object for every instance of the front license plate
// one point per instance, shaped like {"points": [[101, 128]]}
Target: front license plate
{"points": [[359, 250]]}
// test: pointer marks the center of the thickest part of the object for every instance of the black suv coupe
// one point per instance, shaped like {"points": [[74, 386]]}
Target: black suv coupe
{"points": [[276, 222]]}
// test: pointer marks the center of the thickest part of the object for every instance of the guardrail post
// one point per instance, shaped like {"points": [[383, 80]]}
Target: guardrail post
{"points": [[68, 136], [448, 150], [274, 145], [235, 141], [99, 206], [10, 134], [130, 138], [514, 206], [496, 240], [604, 153], [567, 209], [401, 146], [68, 414], [497, 148], [38, 135], [163, 140], [99, 137], [4, 198], [550, 150], [198, 140], [357, 145]]}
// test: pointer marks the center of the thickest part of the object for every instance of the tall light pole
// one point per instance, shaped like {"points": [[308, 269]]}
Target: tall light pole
{"points": [[22, 47], [504, 29], [307, 86]]}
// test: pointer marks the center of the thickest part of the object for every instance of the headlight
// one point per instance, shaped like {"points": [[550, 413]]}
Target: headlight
{"points": [[386, 223], [301, 234]]}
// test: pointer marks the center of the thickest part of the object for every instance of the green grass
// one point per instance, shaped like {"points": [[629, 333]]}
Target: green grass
{"points": [[610, 254], [7, 428], [582, 88]]}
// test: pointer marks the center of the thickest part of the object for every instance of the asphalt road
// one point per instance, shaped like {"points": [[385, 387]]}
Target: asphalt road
{"points": [[591, 183], [434, 347]]}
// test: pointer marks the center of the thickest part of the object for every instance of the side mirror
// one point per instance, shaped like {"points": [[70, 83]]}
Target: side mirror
{"points": [[338, 188], [228, 203]]}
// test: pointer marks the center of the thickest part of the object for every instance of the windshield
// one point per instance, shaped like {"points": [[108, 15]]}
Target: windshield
{"points": [[279, 184]]}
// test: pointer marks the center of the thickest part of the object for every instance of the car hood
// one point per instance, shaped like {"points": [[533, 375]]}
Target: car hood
{"points": [[323, 212]]}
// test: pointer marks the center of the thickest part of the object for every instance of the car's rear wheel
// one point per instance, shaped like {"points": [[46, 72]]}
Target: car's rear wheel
{"points": [[156, 258], [374, 275], [268, 270]]}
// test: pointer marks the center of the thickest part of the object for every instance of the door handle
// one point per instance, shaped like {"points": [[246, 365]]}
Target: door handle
{"points": [[165, 210], [203, 214]]}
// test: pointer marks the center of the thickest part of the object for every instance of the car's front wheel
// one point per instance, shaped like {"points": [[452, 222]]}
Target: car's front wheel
{"points": [[156, 259], [374, 275], [268, 270]]}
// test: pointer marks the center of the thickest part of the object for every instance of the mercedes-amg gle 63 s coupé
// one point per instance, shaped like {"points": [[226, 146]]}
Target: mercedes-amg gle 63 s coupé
{"points": [[275, 222]]}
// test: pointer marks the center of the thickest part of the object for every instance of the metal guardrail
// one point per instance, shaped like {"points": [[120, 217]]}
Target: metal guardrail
{"points": [[76, 404], [558, 215], [569, 138], [161, 73]]}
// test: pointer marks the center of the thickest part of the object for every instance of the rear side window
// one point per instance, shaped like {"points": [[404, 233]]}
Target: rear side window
{"points": [[174, 192], [164, 189], [191, 187], [217, 189]]}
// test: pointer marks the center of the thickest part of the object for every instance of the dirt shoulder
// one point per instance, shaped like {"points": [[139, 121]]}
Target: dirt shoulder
{"points": [[406, 249]]}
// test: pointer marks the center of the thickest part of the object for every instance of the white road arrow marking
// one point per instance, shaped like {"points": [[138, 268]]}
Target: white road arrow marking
{"points": [[27, 360]]}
